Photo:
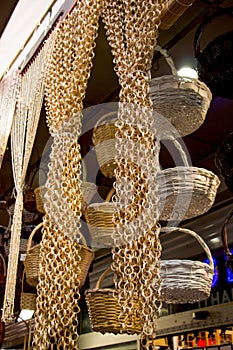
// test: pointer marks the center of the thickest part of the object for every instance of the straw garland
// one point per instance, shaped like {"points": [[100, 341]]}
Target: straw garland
{"points": [[8, 94], [132, 30], [59, 280], [29, 102]]}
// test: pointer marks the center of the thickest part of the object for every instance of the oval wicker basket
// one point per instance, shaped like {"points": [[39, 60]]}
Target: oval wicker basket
{"points": [[185, 191], [104, 311], [183, 101], [186, 281], [229, 262], [32, 260], [215, 61]]}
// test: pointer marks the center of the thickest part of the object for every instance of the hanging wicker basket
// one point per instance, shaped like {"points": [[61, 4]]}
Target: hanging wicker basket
{"points": [[183, 101], [185, 191], [32, 260], [186, 281], [229, 262], [99, 217], [104, 311], [172, 10], [27, 300], [224, 161], [88, 189], [39, 195], [215, 61]]}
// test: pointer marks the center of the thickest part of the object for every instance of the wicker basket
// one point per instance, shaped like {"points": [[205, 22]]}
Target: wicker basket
{"points": [[39, 194], [215, 62], [27, 300], [104, 311], [99, 217], [185, 191], [229, 262], [186, 281], [224, 160], [88, 189], [172, 10], [183, 101], [32, 260], [104, 141]]}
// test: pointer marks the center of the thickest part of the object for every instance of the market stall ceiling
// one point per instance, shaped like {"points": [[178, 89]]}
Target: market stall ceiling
{"points": [[202, 144]]}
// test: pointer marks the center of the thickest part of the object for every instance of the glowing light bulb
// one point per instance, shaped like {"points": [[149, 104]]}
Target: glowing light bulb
{"points": [[188, 72]]}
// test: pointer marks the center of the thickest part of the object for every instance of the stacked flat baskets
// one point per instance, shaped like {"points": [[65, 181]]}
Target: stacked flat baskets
{"points": [[185, 191], [99, 217], [32, 261], [104, 311], [183, 101], [172, 10], [186, 281], [229, 262], [215, 62], [224, 161]]}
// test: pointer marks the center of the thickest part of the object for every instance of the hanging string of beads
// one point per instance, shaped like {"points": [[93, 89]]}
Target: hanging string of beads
{"points": [[132, 30], [29, 103], [56, 317], [8, 94]]}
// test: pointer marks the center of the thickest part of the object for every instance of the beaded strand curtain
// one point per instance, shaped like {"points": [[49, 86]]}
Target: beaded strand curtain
{"points": [[56, 318], [8, 95], [25, 122], [132, 30]]}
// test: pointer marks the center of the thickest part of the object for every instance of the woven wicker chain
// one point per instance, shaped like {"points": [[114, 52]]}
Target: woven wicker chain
{"points": [[30, 97], [132, 29], [59, 277]]}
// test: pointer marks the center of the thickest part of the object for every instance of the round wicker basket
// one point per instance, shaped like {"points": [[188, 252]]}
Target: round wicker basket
{"points": [[181, 100], [186, 281], [104, 311]]}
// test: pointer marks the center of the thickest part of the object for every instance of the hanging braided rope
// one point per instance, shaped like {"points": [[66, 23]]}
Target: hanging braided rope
{"points": [[59, 283], [132, 30], [29, 102]]}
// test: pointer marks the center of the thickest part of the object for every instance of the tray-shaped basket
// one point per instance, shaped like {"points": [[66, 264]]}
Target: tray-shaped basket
{"points": [[99, 217], [186, 281], [172, 10], [215, 61], [229, 262], [104, 311], [32, 260], [183, 101], [185, 191]]}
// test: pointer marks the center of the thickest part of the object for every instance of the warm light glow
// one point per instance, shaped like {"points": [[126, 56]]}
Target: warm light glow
{"points": [[25, 314], [188, 72]]}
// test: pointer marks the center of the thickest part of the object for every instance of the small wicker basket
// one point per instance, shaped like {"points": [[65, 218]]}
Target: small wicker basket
{"points": [[215, 61], [99, 217], [104, 311], [27, 300], [186, 281], [229, 262], [172, 10], [183, 101], [185, 191]]}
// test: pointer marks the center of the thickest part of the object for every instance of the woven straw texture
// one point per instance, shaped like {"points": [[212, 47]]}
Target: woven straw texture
{"points": [[183, 101], [186, 281], [215, 61], [39, 195], [27, 300], [104, 311], [173, 9]]}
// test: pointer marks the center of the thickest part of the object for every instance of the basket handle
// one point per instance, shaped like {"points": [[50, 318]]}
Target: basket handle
{"points": [[203, 25], [32, 235], [104, 274], [168, 59], [196, 236], [4, 264], [103, 117], [225, 242], [180, 149]]}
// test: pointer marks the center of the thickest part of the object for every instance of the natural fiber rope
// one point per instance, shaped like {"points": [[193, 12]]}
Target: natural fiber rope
{"points": [[8, 94], [132, 29], [29, 102], [59, 284]]}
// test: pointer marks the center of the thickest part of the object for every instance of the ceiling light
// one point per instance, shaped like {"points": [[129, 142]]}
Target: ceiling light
{"points": [[187, 72]]}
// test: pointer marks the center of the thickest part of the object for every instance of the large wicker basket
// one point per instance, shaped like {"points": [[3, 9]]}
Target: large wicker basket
{"points": [[186, 281], [215, 61], [99, 217], [172, 10], [104, 311], [185, 191], [183, 101], [229, 262]]}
